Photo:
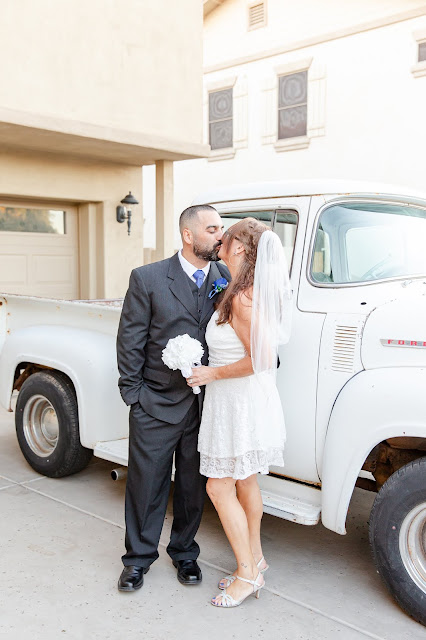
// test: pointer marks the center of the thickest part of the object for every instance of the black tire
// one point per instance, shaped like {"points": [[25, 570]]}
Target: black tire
{"points": [[46, 421], [398, 537]]}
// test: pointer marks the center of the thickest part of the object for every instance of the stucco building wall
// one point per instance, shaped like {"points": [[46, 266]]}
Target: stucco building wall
{"points": [[91, 92], [127, 64], [366, 93]]}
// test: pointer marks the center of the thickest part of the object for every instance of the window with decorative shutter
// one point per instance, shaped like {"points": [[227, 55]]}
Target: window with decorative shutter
{"points": [[256, 15], [220, 119], [419, 68], [292, 105]]}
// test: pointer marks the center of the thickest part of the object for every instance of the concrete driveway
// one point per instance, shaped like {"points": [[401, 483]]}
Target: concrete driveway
{"points": [[61, 547]]}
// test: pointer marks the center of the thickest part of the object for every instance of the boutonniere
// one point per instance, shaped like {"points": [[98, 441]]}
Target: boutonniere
{"points": [[218, 285]]}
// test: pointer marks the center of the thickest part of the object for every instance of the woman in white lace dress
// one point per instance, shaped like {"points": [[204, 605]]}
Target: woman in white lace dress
{"points": [[242, 429]]}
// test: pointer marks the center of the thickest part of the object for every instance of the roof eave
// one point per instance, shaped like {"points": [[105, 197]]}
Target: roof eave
{"points": [[28, 132], [211, 5]]}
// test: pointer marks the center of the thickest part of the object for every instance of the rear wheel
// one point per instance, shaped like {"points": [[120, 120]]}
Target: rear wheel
{"points": [[47, 428], [398, 537]]}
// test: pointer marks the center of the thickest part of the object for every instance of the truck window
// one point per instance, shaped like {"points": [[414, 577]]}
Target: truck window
{"points": [[286, 226], [231, 218], [361, 242], [283, 222]]}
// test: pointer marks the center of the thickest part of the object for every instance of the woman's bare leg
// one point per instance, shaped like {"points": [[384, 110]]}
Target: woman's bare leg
{"points": [[250, 498], [222, 493]]}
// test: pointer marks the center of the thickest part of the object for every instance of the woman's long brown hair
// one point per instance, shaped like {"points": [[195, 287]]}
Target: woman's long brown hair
{"points": [[248, 232]]}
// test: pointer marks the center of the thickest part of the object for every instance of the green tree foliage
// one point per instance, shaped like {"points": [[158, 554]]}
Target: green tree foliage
{"points": [[29, 220]]}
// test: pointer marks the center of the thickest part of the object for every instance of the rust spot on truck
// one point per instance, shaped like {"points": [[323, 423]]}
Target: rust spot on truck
{"points": [[26, 373], [282, 476], [389, 456]]}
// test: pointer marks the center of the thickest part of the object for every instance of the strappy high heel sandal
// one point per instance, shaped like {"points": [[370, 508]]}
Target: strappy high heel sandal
{"points": [[228, 601], [230, 579]]}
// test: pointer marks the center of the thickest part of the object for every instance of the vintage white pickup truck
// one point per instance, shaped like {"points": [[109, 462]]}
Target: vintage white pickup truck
{"points": [[352, 378]]}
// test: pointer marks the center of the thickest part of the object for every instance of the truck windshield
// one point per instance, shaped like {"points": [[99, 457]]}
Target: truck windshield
{"points": [[360, 242]]}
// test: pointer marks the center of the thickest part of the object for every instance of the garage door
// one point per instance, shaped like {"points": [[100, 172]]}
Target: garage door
{"points": [[39, 250]]}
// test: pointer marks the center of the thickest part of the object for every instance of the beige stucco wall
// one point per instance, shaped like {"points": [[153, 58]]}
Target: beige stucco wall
{"points": [[365, 99], [107, 253], [128, 64], [227, 38], [91, 90]]}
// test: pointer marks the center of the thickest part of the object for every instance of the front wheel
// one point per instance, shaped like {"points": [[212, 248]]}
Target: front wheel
{"points": [[47, 429], [398, 537]]}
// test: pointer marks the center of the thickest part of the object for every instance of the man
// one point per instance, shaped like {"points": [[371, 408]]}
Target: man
{"points": [[166, 299]]}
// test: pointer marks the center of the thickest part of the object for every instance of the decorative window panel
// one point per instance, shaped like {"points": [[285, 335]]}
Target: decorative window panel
{"points": [[281, 94], [419, 68], [256, 15], [292, 105], [220, 119]]}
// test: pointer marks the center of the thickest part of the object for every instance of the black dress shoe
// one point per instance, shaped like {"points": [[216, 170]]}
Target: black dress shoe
{"points": [[188, 571], [131, 578]]}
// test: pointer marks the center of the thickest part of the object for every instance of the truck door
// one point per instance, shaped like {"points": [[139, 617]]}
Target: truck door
{"points": [[297, 374]]}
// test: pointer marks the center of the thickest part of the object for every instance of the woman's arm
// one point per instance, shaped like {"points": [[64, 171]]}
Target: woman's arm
{"points": [[241, 323]]}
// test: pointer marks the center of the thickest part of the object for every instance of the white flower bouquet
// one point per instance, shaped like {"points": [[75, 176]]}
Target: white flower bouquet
{"points": [[183, 352]]}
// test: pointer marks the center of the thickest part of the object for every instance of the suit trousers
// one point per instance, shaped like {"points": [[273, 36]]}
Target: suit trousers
{"points": [[152, 444]]}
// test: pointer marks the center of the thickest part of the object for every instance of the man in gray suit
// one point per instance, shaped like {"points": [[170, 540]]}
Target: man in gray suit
{"points": [[166, 299]]}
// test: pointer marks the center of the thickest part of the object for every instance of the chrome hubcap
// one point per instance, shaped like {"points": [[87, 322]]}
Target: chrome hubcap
{"points": [[412, 545], [41, 427]]}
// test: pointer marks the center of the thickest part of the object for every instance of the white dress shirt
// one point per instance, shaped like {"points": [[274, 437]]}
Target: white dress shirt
{"points": [[190, 269]]}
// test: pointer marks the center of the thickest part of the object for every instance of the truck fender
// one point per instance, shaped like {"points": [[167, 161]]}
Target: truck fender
{"points": [[88, 359], [374, 405]]}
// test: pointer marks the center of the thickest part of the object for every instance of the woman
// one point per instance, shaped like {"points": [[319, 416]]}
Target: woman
{"points": [[242, 428]]}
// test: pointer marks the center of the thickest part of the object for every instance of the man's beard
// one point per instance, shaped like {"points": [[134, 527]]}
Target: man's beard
{"points": [[210, 255]]}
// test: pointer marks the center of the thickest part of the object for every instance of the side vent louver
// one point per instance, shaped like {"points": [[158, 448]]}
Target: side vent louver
{"points": [[256, 15], [344, 348]]}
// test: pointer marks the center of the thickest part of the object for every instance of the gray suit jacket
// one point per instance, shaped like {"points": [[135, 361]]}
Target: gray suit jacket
{"points": [[160, 305]]}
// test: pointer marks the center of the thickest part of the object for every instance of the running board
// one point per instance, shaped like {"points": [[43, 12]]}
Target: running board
{"points": [[290, 500], [283, 498], [113, 450]]}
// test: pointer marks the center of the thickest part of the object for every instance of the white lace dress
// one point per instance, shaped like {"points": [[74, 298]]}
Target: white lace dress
{"points": [[231, 441]]}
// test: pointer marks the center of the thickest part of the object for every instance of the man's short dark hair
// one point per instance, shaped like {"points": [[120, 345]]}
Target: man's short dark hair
{"points": [[190, 215]]}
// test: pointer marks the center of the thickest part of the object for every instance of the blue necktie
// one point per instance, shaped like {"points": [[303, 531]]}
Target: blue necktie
{"points": [[199, 277]]}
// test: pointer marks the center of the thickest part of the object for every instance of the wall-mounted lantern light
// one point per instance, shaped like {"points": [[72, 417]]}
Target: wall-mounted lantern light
{"points": [[124, 213]]}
